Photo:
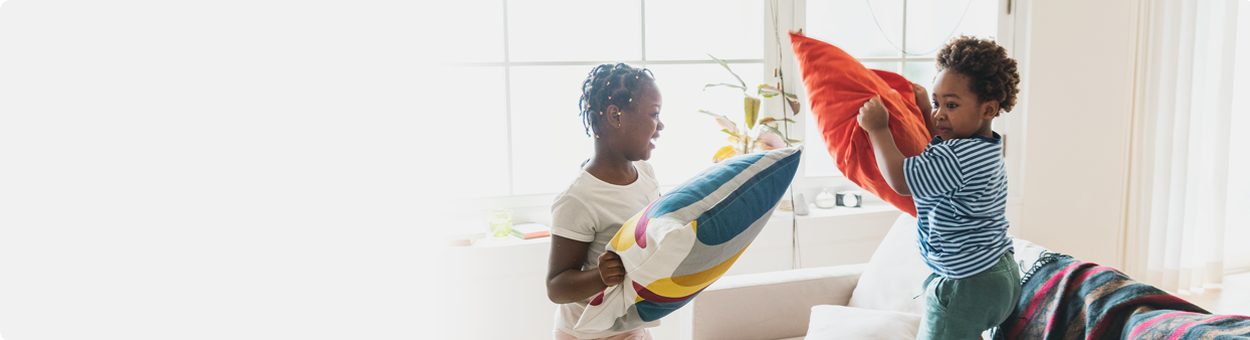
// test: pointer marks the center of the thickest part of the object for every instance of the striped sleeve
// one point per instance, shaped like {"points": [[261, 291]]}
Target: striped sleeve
{"points": [[936, 171]]}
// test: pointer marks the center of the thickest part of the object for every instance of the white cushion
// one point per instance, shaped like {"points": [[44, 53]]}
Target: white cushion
{"points": [[894, 274], [1026, 253], [839, 322]]}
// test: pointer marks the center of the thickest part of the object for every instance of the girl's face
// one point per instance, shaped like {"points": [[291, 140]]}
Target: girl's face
{"points": [[957, 112], [639, 124]]}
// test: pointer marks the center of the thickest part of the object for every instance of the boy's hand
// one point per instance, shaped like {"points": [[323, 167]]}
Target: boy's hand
{"points": [[873, 116], [926, 107], [922, 99], [611, 269]]}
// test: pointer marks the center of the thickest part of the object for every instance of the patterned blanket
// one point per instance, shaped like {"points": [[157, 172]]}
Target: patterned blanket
{"points": [[1064, 298]]}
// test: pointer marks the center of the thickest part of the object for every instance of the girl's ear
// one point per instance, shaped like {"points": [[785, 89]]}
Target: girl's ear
{"points": [[612, 115]]}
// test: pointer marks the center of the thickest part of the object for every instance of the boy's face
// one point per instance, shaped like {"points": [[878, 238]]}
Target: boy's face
{"points": [[640, 123], [957, 112]]}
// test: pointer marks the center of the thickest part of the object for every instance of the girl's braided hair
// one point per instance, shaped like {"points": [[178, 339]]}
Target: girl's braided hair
{"points": [[992, 75], [608, 85]]}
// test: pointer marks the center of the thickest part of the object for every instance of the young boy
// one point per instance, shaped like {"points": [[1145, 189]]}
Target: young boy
{"points": [[959, 184]]}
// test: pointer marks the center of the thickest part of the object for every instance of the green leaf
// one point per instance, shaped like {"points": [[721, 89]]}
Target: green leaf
{"points": [[765, 88], [751, 106], [723, 121], [725, 85], [731, 133], [774, 131], [726, 65], [772, 91], [771, 120]]}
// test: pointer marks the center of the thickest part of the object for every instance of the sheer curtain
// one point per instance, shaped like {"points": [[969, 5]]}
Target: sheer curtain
{"points": [[1179, 194]]}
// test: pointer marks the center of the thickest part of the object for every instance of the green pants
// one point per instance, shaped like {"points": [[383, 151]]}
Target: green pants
{"points": [[961, 309]]}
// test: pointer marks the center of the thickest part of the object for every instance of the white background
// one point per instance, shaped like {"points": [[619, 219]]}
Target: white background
{"points": [[215, 169]]}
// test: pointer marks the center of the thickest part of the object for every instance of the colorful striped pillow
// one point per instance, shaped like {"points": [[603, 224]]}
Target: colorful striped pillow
{"points": [[688, 238]]}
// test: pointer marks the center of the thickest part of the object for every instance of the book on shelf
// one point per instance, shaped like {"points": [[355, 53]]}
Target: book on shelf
{"points": [[530, 230], [464, 233]]}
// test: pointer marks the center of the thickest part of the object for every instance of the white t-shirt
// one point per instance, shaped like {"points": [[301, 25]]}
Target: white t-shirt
{"points": [[592, 210]]}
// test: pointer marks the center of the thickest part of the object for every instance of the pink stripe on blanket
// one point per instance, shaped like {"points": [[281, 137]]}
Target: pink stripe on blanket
{"points": [[1049, 286], [1152, 321], [1180, 331], [1151, 300]]}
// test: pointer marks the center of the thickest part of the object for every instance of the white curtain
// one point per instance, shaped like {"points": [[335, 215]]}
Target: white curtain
{"points": [[1179, 193]]}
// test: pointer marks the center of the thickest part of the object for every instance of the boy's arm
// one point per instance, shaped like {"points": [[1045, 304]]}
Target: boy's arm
{"points": [[874, 119], [926, 108]]}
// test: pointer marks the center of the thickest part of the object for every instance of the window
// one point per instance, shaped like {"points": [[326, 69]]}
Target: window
{"points": [[897, 36], [533, 56], [528, 58]]}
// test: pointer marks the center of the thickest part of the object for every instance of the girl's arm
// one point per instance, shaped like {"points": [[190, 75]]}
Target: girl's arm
{"points": [[567, 283], [874, 119]]}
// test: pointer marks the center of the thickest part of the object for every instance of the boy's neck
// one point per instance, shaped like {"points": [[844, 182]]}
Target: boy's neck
{"points": [[987, 129]]}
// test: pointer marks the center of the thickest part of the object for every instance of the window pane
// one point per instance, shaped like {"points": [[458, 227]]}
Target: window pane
{"points": [[920, 72], [819, 163], [690, 138], [487, 140], [549, 142], [849, 24], [571, 30], [483, 26], [931, 24], [726, 29]]}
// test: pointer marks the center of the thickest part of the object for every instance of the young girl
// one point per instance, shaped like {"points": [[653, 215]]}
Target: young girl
{"points": [[959, 184], [620, 108]]}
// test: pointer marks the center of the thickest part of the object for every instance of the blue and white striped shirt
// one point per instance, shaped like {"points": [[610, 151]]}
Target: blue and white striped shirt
{"points": [[960, 189]]}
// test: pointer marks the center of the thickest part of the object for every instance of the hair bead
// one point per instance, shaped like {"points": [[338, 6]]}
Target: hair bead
{"points": [[596, 98]]}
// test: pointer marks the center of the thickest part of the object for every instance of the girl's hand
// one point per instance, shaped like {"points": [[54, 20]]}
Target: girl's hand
{"points": [[873, 116], [611, 269]]}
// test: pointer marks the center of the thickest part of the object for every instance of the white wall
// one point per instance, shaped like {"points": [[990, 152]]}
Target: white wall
{"points": [[1080, 86]]}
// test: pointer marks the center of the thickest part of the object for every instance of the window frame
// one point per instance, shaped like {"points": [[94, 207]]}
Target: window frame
{"points": [[790, 15]]}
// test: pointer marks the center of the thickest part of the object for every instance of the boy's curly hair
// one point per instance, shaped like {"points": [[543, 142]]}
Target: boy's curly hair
{"points": [[992, 75]]}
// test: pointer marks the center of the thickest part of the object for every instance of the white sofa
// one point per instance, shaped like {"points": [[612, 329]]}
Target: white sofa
{"points": [[869, 300]]}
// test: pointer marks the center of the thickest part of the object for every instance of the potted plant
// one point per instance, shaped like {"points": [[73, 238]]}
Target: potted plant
{"points": [[760, 134]]}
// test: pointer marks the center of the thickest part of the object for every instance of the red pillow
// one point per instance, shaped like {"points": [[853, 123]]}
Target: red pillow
{"points": [[837, 86]]}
